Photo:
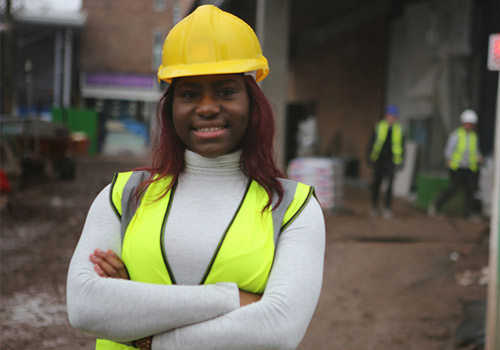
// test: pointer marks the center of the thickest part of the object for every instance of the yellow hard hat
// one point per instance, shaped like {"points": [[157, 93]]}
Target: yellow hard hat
{"points": [[211, 41]]}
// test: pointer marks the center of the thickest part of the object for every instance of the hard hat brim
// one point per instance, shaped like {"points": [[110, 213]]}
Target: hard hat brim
{"points": [[259, 65]]}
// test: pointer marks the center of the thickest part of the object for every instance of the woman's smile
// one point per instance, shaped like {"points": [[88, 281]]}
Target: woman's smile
{"points": [[209, 131]]}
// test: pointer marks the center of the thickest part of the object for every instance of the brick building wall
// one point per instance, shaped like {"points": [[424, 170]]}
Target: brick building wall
{"points": [[119, 34], [345, 78]]}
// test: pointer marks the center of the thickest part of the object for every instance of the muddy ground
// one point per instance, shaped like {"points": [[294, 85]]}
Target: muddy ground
{"points": [[403, 283]]}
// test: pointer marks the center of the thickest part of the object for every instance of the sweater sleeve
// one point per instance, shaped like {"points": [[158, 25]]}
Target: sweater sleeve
{"points": [[109, 308], [280, 319], [451, 144]]}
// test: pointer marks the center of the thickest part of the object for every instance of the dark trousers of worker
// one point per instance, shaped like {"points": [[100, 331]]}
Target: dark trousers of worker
{"points": [[381, 171], [460, 179]]}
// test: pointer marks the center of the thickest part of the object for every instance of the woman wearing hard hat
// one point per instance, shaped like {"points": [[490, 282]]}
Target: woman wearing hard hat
{"points": [[208, 248], [462, 158]]}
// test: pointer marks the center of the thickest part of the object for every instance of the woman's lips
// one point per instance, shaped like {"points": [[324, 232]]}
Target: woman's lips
{"points": [[209, 131]]}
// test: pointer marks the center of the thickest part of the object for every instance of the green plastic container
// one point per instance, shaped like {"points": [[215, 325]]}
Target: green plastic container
{"points": [[431, 185], [79, 120]]}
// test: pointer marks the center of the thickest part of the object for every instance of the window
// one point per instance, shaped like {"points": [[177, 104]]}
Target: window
{"points": [[176, 12], [158, 39], [160, 5]]}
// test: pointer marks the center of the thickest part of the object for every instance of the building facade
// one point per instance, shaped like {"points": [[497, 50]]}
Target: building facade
{"points": [[121, 48], [39, 61]]}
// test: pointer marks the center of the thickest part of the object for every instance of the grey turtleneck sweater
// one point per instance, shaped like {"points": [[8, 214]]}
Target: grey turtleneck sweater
{"points": [[188, 315]]}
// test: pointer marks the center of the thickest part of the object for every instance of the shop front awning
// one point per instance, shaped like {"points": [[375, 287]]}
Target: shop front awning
{"points": [[68, 19], [119, 86]]}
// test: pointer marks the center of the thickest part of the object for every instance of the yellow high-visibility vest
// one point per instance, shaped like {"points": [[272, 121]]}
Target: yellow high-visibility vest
{"points": [[246, 249], [381, 130], [459, 151]]}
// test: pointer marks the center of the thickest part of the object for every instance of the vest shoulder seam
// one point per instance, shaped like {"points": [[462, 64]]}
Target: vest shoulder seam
{"points": [[111, 189]]}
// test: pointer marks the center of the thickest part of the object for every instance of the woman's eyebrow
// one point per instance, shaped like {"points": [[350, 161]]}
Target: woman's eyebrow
{"points": [[223, 82], [189, 85], [216, 84]]}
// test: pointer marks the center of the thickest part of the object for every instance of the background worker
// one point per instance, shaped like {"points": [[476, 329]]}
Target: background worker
{"points": [[463, 157], [386, 155], [207, 248]]}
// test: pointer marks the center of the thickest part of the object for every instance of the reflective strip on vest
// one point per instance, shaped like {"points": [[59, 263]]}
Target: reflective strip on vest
{"points": [[128, 182], [458, 153], [382, 130], [245, 252]]}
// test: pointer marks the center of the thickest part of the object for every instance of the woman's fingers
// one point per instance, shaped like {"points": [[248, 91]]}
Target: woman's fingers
{"points": [[108, 264], [105, 268], [117, 263], [100, 271]]}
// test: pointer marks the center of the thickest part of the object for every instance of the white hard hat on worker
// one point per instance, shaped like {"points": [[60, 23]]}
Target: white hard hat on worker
{"points": [[468, 116]]}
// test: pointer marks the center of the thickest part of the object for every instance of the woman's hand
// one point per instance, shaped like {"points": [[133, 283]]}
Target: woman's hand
{"points": [[108, 264], [248, 298]]}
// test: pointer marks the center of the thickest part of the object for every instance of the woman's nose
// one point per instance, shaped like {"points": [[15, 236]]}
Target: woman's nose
{"points": [[208, 106]]}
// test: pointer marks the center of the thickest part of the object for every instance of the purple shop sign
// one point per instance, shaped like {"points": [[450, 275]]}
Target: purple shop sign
{"points": [[123, 80]]}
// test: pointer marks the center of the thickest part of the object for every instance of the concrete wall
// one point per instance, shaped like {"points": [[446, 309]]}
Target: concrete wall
{"points": [[345, 77], [434, 39], [272, 30]]}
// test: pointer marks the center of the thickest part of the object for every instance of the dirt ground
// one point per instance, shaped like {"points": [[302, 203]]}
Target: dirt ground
{"points": [[403, 283]]}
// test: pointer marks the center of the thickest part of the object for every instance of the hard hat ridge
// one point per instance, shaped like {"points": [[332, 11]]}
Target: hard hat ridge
{"points": [[468, 116], [211, 41]]}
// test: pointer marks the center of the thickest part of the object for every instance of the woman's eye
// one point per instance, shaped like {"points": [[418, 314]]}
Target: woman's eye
{"points": [[226, 92], [189, 95]]}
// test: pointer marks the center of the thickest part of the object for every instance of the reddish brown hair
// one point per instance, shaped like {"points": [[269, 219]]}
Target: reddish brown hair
{"points": [[257, 158]]}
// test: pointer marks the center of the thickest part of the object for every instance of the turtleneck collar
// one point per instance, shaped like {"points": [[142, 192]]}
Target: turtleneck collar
{"points": [[226, 165]]}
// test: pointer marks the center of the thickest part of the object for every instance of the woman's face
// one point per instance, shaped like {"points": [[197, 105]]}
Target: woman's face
{"points": [[211, 112]]}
